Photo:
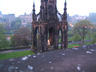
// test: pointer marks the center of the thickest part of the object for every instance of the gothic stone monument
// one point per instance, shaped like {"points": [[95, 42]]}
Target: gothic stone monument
{"points": [[49, 27]]}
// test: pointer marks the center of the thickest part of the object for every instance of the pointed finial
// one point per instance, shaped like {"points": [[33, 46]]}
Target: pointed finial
{"points": [[65, 11], [65, 0], [33, 14], [65, 3], [33, 4]]}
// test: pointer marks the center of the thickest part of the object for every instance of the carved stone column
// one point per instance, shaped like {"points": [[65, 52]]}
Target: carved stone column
{"points": [[56, 39], [66, 36]]}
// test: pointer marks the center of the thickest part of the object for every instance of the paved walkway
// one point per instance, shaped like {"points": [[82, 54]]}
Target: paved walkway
{"points": [[69, 60]]}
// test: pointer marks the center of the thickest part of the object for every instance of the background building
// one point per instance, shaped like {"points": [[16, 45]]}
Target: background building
{"points": [[25, 19]]}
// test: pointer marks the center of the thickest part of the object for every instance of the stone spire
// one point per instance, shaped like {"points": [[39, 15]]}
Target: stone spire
{"points": [[33, 14], [65, 11], [65, 26], [42, 10], [46, 10]]}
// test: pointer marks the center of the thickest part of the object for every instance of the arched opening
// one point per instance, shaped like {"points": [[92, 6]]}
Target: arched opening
{"points": [[36, 37], [60, 38], [50, 36]]}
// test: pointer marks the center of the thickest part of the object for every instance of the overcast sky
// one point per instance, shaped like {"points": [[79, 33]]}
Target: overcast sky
{"points": [[18, 7]]}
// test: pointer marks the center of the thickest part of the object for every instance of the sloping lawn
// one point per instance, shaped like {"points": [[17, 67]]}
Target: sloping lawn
{"points": [[15, 54]]}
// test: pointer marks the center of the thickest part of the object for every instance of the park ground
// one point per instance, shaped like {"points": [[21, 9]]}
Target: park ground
{"points": [[81, 59], [23, 52]]}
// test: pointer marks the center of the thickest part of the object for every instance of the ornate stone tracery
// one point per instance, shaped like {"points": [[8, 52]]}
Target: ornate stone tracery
{"points": [[49, 27]]}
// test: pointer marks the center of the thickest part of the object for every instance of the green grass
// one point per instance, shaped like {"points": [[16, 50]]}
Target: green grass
{"points": [[24, 53], [15, 54], [88, 43], [73, 45]]}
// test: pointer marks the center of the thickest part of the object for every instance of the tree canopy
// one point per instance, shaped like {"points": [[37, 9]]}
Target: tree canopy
{"points": [[3, 38], [22, 37], [82, 28]]}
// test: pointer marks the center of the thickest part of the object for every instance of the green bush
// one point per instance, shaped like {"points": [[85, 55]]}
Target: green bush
{"points": [[75, 37], [3, 38], [93, 38]]}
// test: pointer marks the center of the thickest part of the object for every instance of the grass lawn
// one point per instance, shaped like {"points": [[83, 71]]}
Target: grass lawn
{"points": [[73, 45], [15, 54], [24, 53], [88, 43]]}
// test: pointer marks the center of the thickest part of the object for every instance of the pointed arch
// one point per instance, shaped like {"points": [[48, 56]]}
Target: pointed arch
{"points": [[60, 38], [36, 37]]}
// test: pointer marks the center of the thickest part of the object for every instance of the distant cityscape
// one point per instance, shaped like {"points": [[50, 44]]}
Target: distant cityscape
{"points": [[26, 19], [8, 18]]}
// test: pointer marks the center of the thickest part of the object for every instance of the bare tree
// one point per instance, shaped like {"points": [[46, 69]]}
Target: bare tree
{"points": [[22, 37]]}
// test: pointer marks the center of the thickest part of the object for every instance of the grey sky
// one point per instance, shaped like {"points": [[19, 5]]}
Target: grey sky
{"points": [[81, 7]]}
